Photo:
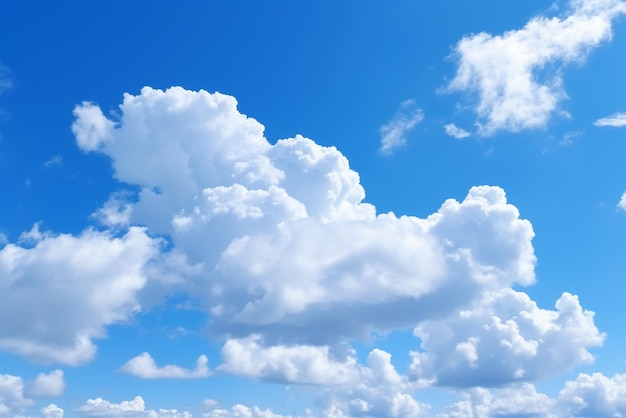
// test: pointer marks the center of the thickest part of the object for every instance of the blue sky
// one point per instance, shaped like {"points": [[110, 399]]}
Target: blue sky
{"points": [[312, 209]]}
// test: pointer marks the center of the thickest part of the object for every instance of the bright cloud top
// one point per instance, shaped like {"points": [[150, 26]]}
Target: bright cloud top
{"points": [[616, 120], [393, 133], [508, 72]]}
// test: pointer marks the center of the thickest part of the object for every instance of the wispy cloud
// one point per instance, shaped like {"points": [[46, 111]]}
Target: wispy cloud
{"points": [[55, 161], [622, 202], [5, 79], [393, 133], [508, 72], [456, 132], [616, 120]]}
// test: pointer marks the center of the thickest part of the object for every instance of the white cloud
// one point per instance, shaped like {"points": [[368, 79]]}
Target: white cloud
{"points": [[284, 248], [145, 367], [616, 120], [54, 161], [393, 133], [622, 202], [47, 385], [71, 287], [517, 401], [295, 364], [133, 409], [12, 399], [508, 72], [374, 389], [91, 127], [52, 411], [455, 132], [511, 339], [594, 396]]}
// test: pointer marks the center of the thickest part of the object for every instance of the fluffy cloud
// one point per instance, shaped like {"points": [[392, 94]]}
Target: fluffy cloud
{"points": [[505, 338], [68, 289], [454, 131], [145, 367], [294, 364], [508, 72], [241, 411], [594, 396], [47, 385], [133, 409], [52, 411], [616, 120], [518, 401], [291, 262], [393, 133], [12, 399]]}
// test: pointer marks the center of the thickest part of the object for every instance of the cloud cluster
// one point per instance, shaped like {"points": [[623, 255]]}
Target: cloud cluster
{"points": [[16, 396], [517, 76], [292, 264]]}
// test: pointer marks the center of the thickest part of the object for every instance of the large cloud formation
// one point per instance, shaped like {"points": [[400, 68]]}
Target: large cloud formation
{"points": [[291, 263], [516, 76]]}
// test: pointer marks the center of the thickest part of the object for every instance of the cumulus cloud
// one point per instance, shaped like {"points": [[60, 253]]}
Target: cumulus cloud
{"points": [[616, 120], [145, 367], [47, 385], [52, 411], [393, 133], [12, 400], [288, 257], [505, 338], [133, 409], [517, 75], [454, 131], [68, 289], [241, 411]]}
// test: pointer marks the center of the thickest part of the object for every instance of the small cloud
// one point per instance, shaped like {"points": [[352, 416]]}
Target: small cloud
{"points": [[55, 161], [393, 133], [47, 385], [145, 367], [616, 120], [456, 132], [622, 202]]}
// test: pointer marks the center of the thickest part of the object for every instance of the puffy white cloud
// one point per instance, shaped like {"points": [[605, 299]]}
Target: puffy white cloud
{"points": [[454, 131], [12, 399], [47, 385], [594, 396], [134, 409], [616, 120], [91, 127], [393, 133], [63, 290], [517, 401], [52, 411], [504, 338], [516, 76], [145, 367], [293, 364]]}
